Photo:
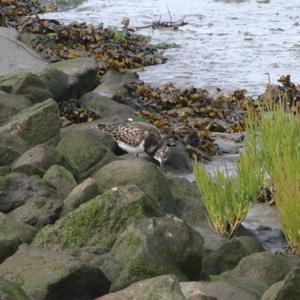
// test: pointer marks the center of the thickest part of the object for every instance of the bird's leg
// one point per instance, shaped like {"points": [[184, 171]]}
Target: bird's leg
{"points": [[136, 155]]}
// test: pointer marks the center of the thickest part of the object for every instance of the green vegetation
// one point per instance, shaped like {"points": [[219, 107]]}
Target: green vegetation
{"points": [[119, 37]]}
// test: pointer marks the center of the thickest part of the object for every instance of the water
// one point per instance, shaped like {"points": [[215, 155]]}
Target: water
{"points": [[228, 43]]}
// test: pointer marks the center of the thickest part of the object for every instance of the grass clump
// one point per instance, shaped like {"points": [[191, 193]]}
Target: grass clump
{"points": [[119, 37]]}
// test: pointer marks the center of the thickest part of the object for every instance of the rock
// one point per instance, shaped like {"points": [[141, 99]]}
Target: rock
{"points": [[189, 204], [227, 143], [39, 212], [164, 287], [107, 108], [287, 289], [17, 188], [33, 87], [220, 290], [49, 275], [85, 151], [60, 178], [71, 78], [152, 247], [229, 254], [9, 80], [34, 125], [15, 55], [178, 161], [257, 272], [11, 104], [145, 175], [112, 83], [38, 160], [11, 291], [12, 234], [99, 221], [83, 192]]}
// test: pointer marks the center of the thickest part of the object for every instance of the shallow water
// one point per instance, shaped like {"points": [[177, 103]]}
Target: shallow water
{"points": [[228, 43]]}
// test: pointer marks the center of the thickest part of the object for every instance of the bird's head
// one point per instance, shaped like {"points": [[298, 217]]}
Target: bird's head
{"points": [[161, 154]]}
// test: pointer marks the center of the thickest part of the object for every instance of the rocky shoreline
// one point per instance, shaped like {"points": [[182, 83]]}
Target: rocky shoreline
{"points": [[81, 220]]}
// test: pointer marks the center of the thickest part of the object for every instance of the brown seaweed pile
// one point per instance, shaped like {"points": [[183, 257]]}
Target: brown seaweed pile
{"points": [[117, 49], [13, 10], [191, 115], [72, 111]]}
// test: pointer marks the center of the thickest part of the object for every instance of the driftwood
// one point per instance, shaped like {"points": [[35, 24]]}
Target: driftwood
{"points": [[165, 24]]}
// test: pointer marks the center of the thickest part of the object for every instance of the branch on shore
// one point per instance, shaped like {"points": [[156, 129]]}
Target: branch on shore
{"points": [[165, 24]]}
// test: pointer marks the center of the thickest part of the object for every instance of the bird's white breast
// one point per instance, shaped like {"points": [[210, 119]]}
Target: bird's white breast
{"points": [[132, 149]]}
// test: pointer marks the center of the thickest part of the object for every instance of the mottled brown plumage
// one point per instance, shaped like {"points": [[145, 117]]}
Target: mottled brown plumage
{"points": [[137, 137]]}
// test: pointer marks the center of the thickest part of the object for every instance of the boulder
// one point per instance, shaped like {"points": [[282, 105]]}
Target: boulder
{"points": [[38, 160], [11, 104], [39, 212], [83, 192], [256, 272], [71, 78], [220, 290], [17, 188], [12, 234], [33, 87], [50, 275], [145, 175], [112, 83], [85, 151], [99, 221], [34, 125], [107, 108], [8, 81], [152, 247], [164, 287], [11, 291], [60, 178], [287, 289], [229, 254]]}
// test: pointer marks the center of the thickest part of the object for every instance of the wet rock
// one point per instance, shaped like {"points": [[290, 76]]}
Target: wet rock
{"points": [[178, 161], [145, 175], [34, 125], [17, 188], [83, 192], [285, 289], [229, 254], [107, 108], [33, 87], [39, 212], [11, 104], [8, 81], [37, 160], [220, 290], [258, 271], [85, 151], [99, 221], [71, 78], [60, 178], [11, 291], [152, 247], [189, 204], [113, 83], [12, 234], [164, 287], [45, 274]]}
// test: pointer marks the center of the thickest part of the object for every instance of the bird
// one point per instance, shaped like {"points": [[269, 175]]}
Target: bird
{"points": [[138, 137], [125, 21]]}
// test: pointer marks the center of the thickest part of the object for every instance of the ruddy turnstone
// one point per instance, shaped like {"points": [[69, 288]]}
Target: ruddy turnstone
{"points": [[138, 137]]}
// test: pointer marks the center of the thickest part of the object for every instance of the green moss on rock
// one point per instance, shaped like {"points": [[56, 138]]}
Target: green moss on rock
{"points": [[99, 221]]}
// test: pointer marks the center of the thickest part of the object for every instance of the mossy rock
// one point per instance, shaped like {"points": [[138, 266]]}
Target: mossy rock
{"points": [[166, 287], [11, 291], [85, 151], [99, 221], [229, 254], [12, 234], [53, 275], [60, 178], [148, 177], [11, 104], [152, 247]]}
